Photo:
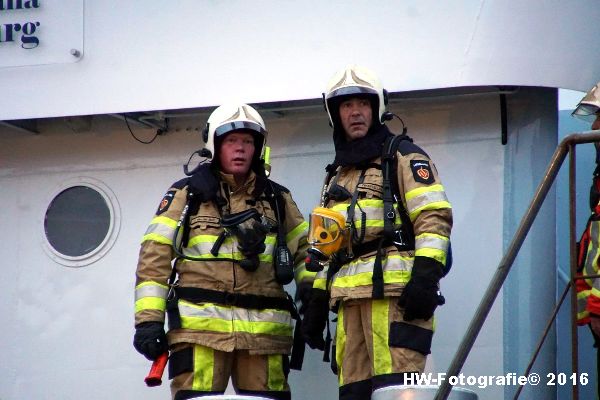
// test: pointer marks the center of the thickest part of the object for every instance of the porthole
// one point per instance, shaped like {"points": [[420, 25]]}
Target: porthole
{"points": [[81, 222]]}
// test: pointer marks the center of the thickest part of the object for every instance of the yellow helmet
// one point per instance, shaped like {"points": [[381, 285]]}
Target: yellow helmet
{"points": [[327, 231]]}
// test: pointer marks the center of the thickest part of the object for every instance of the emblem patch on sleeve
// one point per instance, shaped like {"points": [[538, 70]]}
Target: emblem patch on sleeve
{"points": [[421, 171], [165, 202]]}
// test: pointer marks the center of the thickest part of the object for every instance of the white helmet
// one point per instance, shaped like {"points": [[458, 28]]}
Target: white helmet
{"points": [[352, 81], [232, 117], [590, 104]]}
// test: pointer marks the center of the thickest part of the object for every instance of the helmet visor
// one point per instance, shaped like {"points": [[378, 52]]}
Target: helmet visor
{"points": [[238, 125], [351, 90]]}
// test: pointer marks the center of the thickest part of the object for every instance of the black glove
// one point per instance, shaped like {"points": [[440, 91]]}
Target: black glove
{"points": [[303, 292], [150, 339], [315, 319], [420, 297]]}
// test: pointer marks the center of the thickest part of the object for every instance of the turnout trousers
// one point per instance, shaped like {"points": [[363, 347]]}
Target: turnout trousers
{"points": [[197, 370], [375, 347]]}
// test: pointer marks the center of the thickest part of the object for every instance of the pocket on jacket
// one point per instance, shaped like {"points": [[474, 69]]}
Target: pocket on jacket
{"points": [[181, 361], [411, 337], [372, 186]]}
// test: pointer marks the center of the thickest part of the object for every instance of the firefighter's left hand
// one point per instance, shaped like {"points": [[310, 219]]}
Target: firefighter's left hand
{"points": [[315, 319], [150, 339], [420, 296]]}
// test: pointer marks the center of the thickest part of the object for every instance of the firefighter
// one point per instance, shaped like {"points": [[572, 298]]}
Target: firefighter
{"points": [[384, 289], [215, 257], [588, 290]]}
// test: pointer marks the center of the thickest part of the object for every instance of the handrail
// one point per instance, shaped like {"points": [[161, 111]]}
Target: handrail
{"points": [[503, 269]]}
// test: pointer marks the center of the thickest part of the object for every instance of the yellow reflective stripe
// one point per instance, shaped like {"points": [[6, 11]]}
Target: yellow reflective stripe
{"points": [[228, 242], [300, 273], [275, 379], [320, 280], [227, 319], [204, 363], [170, 222], [426, 198], [595, 292], [200, 246], [153, 284], [302, 228], [438, 205], [359, 266], [382, 363], [157, 238], [438, 255], [365, 203], [340, 344], [433, 246], [320, 283], [366, 278], [411, 194], [161, 229], [150, 303], [230, 326], [583, 314], [432, 240], [582, 298], [583, 294], [150, 295]]}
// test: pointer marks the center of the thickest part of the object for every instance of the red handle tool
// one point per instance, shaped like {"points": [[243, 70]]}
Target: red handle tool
{"points": [[154, 377]]}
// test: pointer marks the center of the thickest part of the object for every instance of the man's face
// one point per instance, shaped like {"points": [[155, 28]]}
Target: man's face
{"points": [[236, 152], [356, 116]]}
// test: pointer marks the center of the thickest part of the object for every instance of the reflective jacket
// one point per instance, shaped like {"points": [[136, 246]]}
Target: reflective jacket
{"points": [[588, 290], [425, 200], [219, 326]]}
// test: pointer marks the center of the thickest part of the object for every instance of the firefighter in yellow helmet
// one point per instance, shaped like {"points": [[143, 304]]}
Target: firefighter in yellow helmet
{"points": [[385, 284], [214, 259], [588, 290]]}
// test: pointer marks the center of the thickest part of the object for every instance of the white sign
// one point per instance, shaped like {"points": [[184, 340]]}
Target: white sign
{"points": [[37, 32]]}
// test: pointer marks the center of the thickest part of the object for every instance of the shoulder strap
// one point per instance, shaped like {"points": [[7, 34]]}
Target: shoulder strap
{"points": [[391, 193], [273, 193]]}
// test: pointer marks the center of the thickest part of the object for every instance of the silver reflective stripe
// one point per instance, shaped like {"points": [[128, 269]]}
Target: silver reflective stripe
{"points": [[150, 290], [373, 210], [161, 230], [227, 249], [391, 263], [422, 200], [229, 313], [203, 248], [432, 242]]}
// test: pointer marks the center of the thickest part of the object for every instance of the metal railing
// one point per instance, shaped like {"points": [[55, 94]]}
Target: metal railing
{"points": [[567, 145]]}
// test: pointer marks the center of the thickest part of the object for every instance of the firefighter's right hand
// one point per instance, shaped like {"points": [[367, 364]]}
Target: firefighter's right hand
{"points": [[150, 339], [315, 319]]}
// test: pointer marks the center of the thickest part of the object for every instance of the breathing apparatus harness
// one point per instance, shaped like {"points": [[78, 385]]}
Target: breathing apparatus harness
{"points": [[400, 236], [203, 187]]}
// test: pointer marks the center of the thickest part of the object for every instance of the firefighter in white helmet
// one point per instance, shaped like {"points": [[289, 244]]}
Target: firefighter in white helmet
{"points": [[588, 294], [384, 285], [221, 246]]}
